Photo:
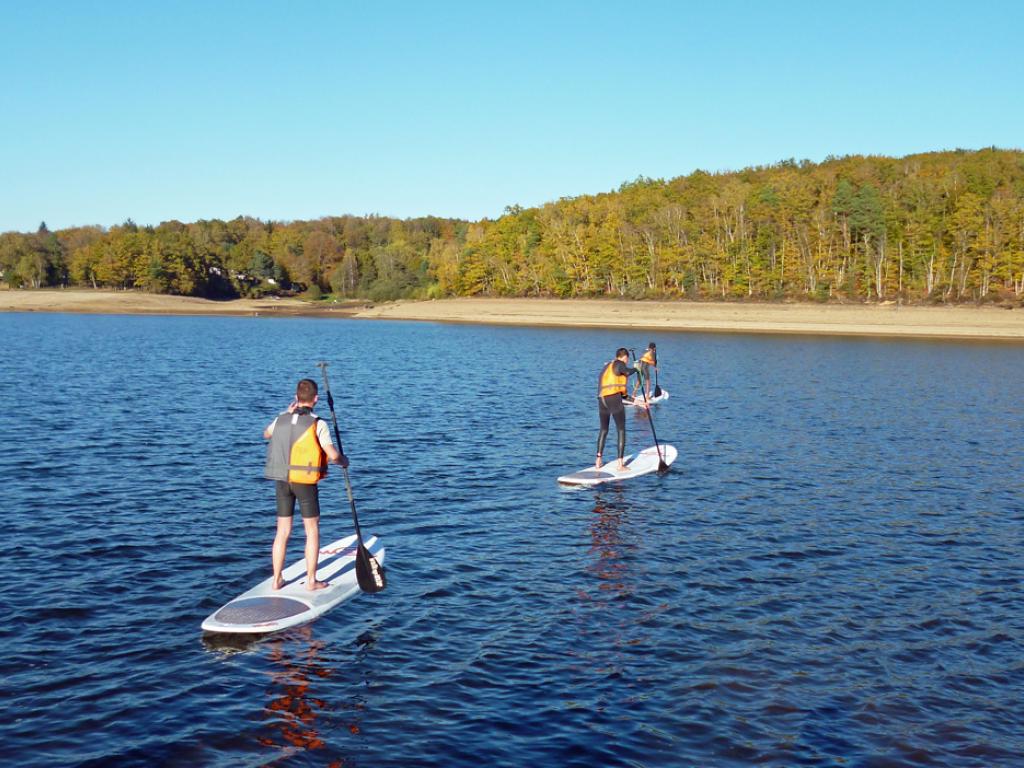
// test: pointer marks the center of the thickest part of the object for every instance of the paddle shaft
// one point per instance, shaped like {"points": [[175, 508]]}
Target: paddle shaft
{"points": [[369, 572], [341, 450], [662, 466]]}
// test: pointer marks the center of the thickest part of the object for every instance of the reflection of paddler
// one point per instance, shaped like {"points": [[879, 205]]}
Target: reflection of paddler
{"points": [[292, 711], [606, 543], [648, 360], [611, 391], [302, 714]]}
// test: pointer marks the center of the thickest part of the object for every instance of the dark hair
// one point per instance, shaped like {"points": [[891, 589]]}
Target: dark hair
{"points": [[305, 391], [652, 345], [621, 351]]}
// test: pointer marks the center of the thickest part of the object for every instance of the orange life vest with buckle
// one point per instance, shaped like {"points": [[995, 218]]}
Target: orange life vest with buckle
{"points": [[611, 382]]}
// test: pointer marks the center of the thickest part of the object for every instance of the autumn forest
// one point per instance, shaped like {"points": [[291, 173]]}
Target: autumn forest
{"points": [[935, 227]]}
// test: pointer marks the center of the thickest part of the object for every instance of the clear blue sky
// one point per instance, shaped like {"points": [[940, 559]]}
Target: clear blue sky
{"points": [[191, 110]]}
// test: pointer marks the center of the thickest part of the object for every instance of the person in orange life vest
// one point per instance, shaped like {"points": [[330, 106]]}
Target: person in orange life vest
{"points": [[648, 360], [300, 446], [611, 391]]}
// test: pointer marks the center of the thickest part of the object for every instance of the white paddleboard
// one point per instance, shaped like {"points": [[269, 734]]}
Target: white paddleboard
{"points": [[642, 463], [653, 400], [265, 609]]}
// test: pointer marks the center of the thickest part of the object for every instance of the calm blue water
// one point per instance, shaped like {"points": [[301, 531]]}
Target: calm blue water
{"points": [[831, 575]]}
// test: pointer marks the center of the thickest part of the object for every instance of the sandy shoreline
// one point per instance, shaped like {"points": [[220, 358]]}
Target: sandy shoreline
{"points": [[965, 322], [808, 319], [137, 303]]}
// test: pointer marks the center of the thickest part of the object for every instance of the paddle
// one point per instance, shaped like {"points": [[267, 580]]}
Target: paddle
{"points": [[662, 466], [657, 386], [369, 573]]}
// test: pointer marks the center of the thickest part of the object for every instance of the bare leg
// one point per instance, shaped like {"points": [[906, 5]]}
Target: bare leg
{"points": [[312, 552], [284, 529]]}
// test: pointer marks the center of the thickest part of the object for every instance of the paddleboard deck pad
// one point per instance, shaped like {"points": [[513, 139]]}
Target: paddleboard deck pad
{"points": [[639, 464], [652, 400], [265, 609]]}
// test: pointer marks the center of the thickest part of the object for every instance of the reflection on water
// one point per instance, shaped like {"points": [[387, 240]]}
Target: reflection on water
{"points": [[291, 714], [606, 544], [303, 709]]}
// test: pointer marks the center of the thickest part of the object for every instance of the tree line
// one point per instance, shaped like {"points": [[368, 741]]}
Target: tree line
{"points": [[942, 227]]}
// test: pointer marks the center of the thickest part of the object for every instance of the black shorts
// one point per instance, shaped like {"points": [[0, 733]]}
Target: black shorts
{"points": [[308, 495]]}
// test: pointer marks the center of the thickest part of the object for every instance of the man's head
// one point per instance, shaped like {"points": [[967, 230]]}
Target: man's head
{"points": [[306, 392], [622, 354], [652, 345]]}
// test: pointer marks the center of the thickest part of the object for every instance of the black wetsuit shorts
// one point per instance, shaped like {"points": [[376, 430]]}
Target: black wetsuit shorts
{"points": [[307, 494]]}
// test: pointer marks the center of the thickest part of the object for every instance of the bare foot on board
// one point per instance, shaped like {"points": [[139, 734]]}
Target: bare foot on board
{"points": [[278, 583], [317, 585]]}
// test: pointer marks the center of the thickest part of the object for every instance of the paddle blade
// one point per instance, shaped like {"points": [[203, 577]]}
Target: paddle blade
{"points": [[657, 391], [369, 573], [662, 468]]}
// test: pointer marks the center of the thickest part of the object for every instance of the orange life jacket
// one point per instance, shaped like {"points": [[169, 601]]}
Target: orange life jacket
{"points": [[648, 357], [294, 453], [610, 382]]}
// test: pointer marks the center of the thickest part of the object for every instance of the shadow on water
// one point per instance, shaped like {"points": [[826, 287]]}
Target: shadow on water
{"points": [[225, 643]]}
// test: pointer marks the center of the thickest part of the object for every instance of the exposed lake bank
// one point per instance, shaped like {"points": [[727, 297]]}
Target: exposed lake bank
{"points": [[104, 302], [962, 322], [724, 317]]}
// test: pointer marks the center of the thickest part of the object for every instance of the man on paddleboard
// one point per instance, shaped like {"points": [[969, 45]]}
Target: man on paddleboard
{"points": [[648, 360], [300, 446], [611, 391]]}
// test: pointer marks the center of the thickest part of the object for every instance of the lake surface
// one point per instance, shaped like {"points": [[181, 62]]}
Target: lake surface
{"points": [[831, 575]]}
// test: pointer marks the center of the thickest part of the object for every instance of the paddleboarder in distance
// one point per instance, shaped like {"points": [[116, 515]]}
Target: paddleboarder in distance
{"points": [[300, 446], [648, 360], [611, 391]]}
